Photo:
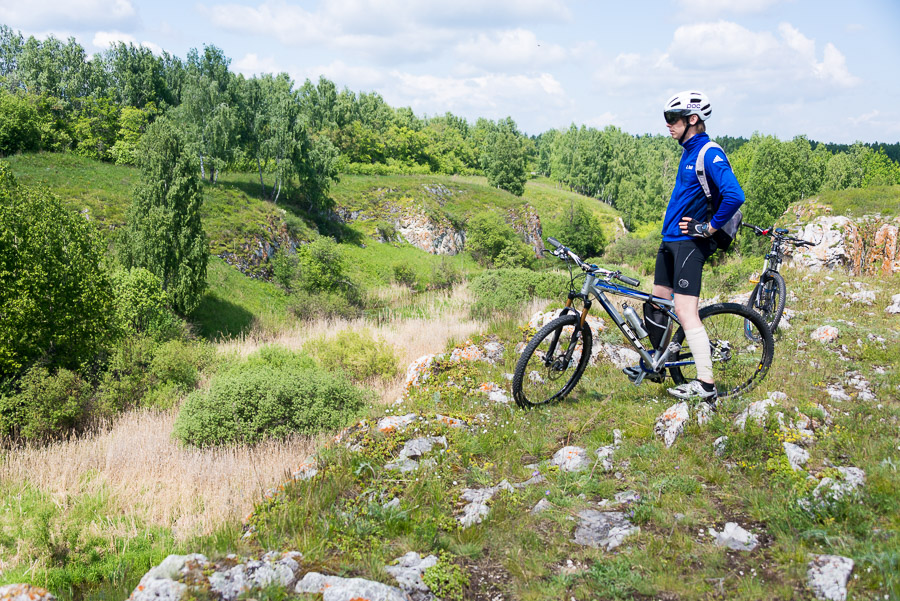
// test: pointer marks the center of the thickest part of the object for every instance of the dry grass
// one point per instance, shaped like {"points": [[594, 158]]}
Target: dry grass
{"points": [[150, 475], [192, 491], [441, 318]]}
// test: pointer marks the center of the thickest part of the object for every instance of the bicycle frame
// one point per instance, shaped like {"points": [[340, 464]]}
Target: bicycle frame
{"points": [[599, 287]]}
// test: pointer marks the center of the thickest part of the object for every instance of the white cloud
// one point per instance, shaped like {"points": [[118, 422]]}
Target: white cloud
{"points": [[705, 9], [252, 64], [720, 44], [388, 30], [71, 14], [105, 39], [486, 96], [511, 48]]}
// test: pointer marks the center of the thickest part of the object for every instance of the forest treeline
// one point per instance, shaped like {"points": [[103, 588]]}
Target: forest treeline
{"points": [[298, 138]]}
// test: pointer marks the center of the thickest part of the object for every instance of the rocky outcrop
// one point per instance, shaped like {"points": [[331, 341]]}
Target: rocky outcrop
{"points": [[866, 245], [434, 232], [252, 253]]}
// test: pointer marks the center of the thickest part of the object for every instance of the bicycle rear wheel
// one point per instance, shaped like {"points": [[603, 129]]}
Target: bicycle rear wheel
{"points": [[739, 364], [768, 298], [552, 362]]}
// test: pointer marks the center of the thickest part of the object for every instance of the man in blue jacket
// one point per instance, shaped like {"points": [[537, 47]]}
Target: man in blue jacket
{"points": [[687, 229]]}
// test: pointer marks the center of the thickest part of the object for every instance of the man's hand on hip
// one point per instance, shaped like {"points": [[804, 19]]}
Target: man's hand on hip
{"points": [[697, 229]]}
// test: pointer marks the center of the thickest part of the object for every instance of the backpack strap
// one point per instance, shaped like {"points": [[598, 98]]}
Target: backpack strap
{"points": [[700, 170]]}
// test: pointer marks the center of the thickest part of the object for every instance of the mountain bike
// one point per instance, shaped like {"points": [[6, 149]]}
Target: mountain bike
{"points": [[769, 294], [554, 360]]}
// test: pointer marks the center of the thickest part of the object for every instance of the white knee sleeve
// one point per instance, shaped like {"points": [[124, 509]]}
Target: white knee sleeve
{"points": [[699, 343]]}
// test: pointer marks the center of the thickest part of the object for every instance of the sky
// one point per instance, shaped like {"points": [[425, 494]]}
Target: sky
{"points": [[821, 68]]}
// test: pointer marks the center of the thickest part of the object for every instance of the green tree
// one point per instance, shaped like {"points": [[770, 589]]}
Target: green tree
{"points": [[503, 157], [494, 243], [55, 295], [580, 230], [20, 128], [164, 233]]}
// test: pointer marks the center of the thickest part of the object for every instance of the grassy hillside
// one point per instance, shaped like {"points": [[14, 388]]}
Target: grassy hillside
{"points": [[56, 498], [236, 219]]}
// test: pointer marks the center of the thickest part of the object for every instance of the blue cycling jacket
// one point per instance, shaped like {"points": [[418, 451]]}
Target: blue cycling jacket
{"points": [[688, 199]]}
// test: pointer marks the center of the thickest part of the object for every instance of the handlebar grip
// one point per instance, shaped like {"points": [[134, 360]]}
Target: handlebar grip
{"points": [[628, 280], [554, 241]]}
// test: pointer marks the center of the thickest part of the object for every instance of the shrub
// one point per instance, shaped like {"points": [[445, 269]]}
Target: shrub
{"points": [[359, 354], [278, 357], [310, 306], [142, 306], [57, 299], [493, 242], [20, 129], [503, 290], [634, 251], [48, 404], [444, 275], [580, 230], [261, 401], [405, 276], [178, 363], [127, 377]]}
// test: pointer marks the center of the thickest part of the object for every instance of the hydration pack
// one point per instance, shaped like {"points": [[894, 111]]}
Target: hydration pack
{"points": [[726, 234]]}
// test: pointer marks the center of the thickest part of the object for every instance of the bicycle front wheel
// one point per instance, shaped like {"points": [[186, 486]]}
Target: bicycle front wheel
{"points": [[740, 359], [552, 362], [768, 298]]}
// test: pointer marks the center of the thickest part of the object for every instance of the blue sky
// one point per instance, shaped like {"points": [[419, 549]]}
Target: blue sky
{"points": [[821, 68]]}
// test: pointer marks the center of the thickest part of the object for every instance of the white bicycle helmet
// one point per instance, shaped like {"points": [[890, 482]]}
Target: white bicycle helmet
{"points": [[689, 103]]}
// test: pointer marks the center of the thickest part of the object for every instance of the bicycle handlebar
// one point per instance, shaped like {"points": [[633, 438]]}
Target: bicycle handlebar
{"points": [[563, 252], [779, 233]]}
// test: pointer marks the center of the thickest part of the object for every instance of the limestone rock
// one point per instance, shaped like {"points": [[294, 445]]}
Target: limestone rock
{"points": [[830, 490], [25, 592], [419, 370], [245, 577], [719, 445], [757, 411], [605, 453], [477, 509], [494, 393], [541, 506], [335, 588], [571, 459], [827, 576], [620, 356], [408, 570], [671, 423], [825, 334], [894, 307], [734, 537], [797, 456], [395, 422], [603, 529]]}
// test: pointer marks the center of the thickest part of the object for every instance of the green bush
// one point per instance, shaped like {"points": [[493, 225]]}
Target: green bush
{"points": [[177, 362], [580, 230], [494, 243], [259, 401], [444, 275], [127, 377], [504, 290], [20, 129], [47, 405], [310, 306], [635, 251], [56, 297], [142, 307], [279, 357], [405, 276], [359, 354]]}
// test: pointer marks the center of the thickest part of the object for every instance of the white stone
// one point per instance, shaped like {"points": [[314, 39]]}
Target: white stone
{"points": [[571, 459], [605, 453], [25, 592], [757, 411], [894, 307], [541, 506], [418, 447], [704, 413], [620, 356], [408, 569], [837, 392], [334, 588], [719, 445], [830, 490], [825, 334], [159, 589], [827, 576], [603, 529], [797, 456], [671, 423], [395, 422], [734, 537], [493, 352]]}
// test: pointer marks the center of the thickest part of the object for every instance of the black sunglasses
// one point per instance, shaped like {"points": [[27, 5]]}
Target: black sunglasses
{"points": [[673, 117]]}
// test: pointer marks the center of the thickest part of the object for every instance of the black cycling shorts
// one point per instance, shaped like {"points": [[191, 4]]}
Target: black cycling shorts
{"points": [[679, 265]]}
